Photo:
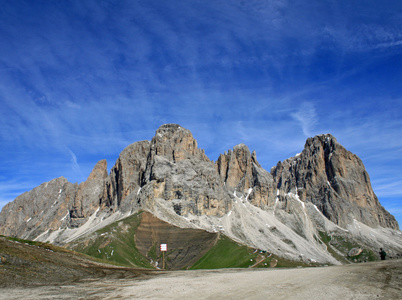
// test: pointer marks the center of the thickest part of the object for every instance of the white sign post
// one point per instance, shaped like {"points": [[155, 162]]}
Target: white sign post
{"points": [[163, 249]]}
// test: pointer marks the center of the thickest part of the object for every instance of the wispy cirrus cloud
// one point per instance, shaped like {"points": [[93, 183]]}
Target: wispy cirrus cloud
{"points": [[385, 188], [307, 117]]}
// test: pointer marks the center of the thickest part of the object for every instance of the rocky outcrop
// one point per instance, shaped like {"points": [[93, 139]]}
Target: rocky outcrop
{"points": [[175, 143], [179, 172], [240, 171], [43, 208], [333, 179], [86, 200], [170, 167], [53, 205], [126, 178]]}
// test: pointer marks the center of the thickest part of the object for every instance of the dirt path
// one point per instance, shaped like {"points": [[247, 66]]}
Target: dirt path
{"points": [[260, 259], [379, 280]]}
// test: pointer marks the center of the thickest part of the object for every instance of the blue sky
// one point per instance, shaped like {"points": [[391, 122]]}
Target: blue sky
{"points": [[80, 80]]}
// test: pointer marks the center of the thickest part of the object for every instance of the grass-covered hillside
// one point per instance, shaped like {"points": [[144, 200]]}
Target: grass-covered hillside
{"points": [[114, 243], [226, 253]]}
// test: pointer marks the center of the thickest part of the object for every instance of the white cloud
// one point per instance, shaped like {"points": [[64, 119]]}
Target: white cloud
{"points": [[74, 163], [307, 117], [388, 44], [387, 188]]}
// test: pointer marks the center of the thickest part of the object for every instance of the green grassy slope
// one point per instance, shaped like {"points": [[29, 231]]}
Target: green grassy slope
{"points": [[115, 243], [226, 253], [339, 248]]}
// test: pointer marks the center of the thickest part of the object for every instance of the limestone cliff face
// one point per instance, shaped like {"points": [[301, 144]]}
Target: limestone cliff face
{"points": [[179, 172], [240, 171], [333, 179], [125, 179]]}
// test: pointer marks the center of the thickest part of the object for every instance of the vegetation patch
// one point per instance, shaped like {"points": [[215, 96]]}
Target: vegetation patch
{"points": [[228, 254], [364, 256], [152, 252], [344, 245], [46, 246], [115, 243], [326, 239]]}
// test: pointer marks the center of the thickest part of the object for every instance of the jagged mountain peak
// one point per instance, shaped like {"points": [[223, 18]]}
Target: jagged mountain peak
{"points": [[176, 143], [325, 137], [325, 141], [320, 145], [241, 147], [170, 128], [335, 180], [99, 171], [172, 133]]}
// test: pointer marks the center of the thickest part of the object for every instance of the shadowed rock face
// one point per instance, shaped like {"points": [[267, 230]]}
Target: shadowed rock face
{"points": [[125, 179], [335, 180], [172, 169]]}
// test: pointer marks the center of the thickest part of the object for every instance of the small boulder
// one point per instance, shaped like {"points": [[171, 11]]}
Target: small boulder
{"points": [[354, 252]]}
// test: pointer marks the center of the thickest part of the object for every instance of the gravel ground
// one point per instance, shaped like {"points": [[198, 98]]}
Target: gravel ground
{"points": [[377, 280]]}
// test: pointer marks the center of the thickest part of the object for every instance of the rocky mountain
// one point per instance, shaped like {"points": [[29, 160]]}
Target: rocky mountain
{"points": [[335, 180], [322, 192]]}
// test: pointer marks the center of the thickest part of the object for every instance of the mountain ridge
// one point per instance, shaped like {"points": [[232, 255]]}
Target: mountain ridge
{"points": [[324, 188]]}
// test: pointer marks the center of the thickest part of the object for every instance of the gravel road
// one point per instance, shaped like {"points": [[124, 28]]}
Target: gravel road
{"points": [[376, 280]]}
